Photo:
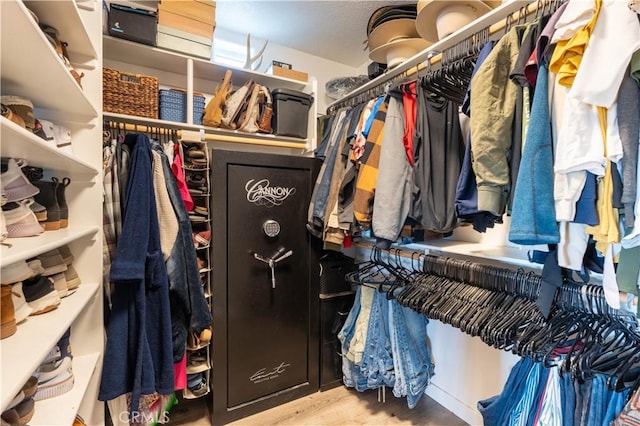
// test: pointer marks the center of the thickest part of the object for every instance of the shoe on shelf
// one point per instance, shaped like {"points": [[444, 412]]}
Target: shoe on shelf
{"points": [[54, 379], [48, 198], [197, 384], [33, 173], [14, 183], [36, 266], [21, 414], [20, 220], [72, 277], [63, 139], [7, 113], [52, 262], [201, 210], [26, 392], [60, 284], [7, 313], [66, 254], [202, 238], [62, 200], [59, 136], [20, 305], [40, 294], [52, 34], [15, 272], [20, 106], [64, 344], [39, 210]]}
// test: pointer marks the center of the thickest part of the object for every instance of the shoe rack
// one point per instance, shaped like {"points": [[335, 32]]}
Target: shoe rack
{"points": [[196, 168], [30, 67]]}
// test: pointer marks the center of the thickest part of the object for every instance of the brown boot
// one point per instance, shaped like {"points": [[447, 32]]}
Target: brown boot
{"points": [[8, 322]]}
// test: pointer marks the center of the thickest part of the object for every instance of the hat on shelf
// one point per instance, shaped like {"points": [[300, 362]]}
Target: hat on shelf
{"points": [[392, 36], [437, 19], [390, 13], [397, 51]]}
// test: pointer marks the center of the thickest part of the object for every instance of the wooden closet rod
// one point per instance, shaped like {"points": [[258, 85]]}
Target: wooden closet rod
{"points": [[143, 128], [198, 136], [507, 12]]}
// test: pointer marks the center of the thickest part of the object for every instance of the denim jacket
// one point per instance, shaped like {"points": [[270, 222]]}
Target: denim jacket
{"points": [[189, 309]]}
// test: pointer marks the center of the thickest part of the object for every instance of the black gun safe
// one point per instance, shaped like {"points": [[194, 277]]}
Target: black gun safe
{"points": [[265, 265]]}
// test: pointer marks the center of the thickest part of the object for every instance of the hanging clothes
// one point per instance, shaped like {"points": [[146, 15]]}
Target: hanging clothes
{"points": [[533, 219], [368, 171], [334, 233], [318, 204], [393, 193], [439, 153], [137, 357], [385, 344], [537, 395], [189, 309], [492, 112]]}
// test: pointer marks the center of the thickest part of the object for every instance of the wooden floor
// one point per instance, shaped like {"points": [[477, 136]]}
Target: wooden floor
{"points": [[340, 407]]}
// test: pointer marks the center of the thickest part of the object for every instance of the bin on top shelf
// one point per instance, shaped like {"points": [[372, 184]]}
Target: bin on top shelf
{"points": [[290, 112]]}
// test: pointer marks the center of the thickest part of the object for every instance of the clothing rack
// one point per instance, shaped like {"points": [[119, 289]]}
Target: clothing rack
{"points": [[161, 133], [588, 298], [498, 19], [498, 306], [182, 131]]}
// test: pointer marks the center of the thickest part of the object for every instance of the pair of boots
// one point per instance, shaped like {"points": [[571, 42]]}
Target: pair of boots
{"points": [[52, 197]]}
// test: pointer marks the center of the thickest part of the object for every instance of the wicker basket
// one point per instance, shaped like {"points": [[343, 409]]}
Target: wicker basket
{"points": [[128, 93]]}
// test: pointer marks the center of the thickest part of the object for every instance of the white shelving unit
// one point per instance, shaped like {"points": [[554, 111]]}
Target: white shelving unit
{"points": [[29, 346], [26, 248], [175, 70], [39, 151], [30, 67]]}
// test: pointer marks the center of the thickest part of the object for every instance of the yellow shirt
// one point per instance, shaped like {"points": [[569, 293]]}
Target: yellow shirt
{"points": [[567, 54]]}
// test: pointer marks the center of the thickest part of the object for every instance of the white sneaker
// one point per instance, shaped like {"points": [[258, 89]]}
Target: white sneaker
{"points": [[16, 272], [15, 184], [54, 379], [60, 284], [21, 221], [22, 309]]}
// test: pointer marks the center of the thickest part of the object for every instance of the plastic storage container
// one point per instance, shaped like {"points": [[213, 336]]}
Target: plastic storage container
{"points": [[173, 106], [290, 112]]}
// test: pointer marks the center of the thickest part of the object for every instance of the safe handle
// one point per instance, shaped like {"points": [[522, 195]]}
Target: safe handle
{"points": [[278, 256]]}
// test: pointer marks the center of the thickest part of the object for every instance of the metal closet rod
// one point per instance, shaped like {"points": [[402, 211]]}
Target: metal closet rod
{"points": [[504, 15]]}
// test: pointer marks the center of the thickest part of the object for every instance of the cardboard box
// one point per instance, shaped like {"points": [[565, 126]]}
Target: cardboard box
{"points": [[133, 24], [203, 12], [185, 35], [182, 45], [182, 23], [287, 73]]}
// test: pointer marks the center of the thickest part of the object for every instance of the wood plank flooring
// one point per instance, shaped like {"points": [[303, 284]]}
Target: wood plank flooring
{"points": [[336, 407]]}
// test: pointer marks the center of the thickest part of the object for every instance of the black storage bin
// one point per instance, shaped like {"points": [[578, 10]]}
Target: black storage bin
{"points": [[290, 112], [133, 24]]}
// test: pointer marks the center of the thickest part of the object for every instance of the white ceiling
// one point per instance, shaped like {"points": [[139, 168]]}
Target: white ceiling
{"points": [[331, 29]]}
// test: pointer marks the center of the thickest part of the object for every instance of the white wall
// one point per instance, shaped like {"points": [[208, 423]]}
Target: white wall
{"points": [[322, 69]]}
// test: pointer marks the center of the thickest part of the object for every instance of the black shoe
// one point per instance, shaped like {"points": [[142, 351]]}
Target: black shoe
{"points": [[62, 201], [48, 198]]}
